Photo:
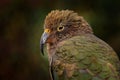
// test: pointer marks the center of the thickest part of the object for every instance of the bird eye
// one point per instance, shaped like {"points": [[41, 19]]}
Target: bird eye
{"points": [[60, 28]]}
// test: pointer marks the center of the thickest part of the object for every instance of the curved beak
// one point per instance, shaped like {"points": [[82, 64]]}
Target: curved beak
{"points": [[43, 41]]}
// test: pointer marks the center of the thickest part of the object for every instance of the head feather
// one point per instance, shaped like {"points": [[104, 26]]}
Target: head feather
{"points": [[56, 17]]}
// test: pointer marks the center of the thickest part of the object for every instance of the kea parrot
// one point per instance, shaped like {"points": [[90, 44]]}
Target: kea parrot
{"points": [[74, 52]]}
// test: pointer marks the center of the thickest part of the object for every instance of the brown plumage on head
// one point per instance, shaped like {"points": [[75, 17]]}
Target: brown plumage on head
{"points": [[66, 17], [64, 24]]}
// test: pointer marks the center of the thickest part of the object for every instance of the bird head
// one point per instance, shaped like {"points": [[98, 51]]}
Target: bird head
{"points": [[61, 25]]}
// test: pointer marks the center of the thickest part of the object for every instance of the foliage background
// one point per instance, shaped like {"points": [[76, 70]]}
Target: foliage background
{"points": [[21, 25]]}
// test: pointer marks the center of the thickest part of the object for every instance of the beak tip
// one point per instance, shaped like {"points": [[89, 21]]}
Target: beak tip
{"points": [[42, 49]]}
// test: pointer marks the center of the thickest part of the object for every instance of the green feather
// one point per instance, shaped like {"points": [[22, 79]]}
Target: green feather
{"points": [[88, 58]]}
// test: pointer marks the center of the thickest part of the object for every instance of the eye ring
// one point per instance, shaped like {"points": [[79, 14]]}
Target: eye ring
{"points": [[60, 28]]}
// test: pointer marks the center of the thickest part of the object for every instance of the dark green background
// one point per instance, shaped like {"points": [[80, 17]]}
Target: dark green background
{"points": [[21, 25]]}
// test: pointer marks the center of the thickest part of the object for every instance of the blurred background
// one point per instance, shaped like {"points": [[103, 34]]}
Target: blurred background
{"points": [[21, 25]]}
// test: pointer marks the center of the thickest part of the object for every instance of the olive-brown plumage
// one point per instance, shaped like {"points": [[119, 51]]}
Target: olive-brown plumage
{"points": [[74, 52]]}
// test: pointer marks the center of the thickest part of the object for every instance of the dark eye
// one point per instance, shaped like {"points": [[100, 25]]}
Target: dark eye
{"points": [[60, 28]]}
